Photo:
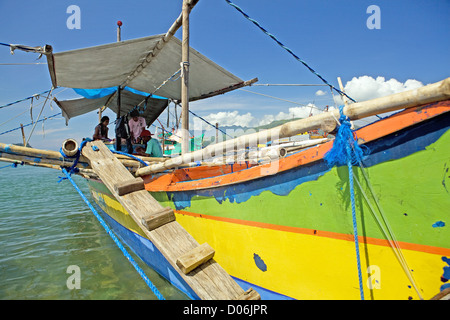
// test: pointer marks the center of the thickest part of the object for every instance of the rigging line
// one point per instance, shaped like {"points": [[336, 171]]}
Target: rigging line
{"points": [[265, 95], [190, 111], [27, 98], [32, 130], [161, 85], [29, 124], [21, 64], [296, 103], [149, 96], [288, 85], [392, 242], [211, 124], [18, 115], [401, 257], [287, 49]]}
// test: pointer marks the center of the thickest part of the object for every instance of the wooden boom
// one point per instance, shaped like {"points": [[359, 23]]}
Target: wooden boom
{"points": [[431, 93]]}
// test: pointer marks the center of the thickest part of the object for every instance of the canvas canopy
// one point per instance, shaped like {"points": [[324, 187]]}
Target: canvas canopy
{"points": [[131, 63], [129, 100]]}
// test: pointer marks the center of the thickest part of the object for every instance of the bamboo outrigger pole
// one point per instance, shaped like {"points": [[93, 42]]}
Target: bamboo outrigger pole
{"points": [[431, 93]]}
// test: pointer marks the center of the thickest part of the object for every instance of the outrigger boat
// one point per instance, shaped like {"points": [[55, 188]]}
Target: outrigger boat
{"points": [[293, 226]]}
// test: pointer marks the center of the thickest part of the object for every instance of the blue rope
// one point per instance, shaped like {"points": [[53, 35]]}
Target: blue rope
{"points": [[73, 168], [131, 156], [287, 49], [338, 154], [114, 237], [347, 151], [14, 165], [24, 99], [355, 226]]}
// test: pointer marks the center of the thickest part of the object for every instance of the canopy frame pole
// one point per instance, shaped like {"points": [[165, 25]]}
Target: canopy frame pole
{"points": [[185, 79], [160, 44], [118, 139], [152, 54]]}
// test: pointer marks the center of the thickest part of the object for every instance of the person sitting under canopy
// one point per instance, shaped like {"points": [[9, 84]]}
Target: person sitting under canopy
{"points": [[153, 148]]}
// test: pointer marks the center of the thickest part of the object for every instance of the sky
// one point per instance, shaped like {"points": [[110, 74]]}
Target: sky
{"points": [[409, 47]]}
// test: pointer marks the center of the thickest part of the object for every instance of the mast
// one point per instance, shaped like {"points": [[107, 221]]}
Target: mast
{"points": [[185, 80], [118, 139]]}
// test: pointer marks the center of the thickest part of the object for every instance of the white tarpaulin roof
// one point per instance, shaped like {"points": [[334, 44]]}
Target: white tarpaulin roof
{"points": [[111, 65], [128, 100]]}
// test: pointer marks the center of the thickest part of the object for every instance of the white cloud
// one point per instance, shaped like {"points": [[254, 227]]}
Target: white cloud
{"points": [[359, 88], [230, 118], [294, 112], [320, 93], [366, 88]]}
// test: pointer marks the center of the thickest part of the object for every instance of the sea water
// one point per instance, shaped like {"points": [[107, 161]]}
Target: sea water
{"points": [[48, 235]]}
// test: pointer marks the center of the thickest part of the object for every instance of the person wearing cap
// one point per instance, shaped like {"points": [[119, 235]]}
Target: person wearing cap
{"points": [[153, 148], [136, 124]]}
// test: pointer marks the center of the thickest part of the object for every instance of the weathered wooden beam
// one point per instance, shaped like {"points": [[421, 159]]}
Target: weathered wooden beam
{"points": [[157, 219], [443, 295], [128, 186], [55, 157], [194, 258]]}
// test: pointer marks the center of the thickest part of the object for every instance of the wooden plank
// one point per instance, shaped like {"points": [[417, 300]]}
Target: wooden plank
{"points": [[443, 295], [192, 259], [157, 219], [209, 281], [210, 274], [128, 186]]}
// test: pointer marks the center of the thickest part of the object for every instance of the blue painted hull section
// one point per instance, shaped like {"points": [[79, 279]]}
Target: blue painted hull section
{"points": [[149, 254], [152, 257]]}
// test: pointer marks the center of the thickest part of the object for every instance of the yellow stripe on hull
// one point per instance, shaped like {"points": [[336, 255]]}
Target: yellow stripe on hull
{"points": [[312, 267], [303, 266]]}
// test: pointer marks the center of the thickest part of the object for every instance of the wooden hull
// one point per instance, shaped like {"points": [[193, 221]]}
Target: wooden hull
{"points": [[285, 228]]}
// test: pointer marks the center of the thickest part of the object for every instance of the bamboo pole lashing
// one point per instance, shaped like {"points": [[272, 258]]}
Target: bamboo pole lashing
{"points": [[56, 158]]}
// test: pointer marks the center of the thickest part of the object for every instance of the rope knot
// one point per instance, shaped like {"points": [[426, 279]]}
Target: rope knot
{"points": [[345, 147]]}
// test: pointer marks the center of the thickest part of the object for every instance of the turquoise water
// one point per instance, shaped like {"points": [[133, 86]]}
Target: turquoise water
{"points": [[45, 227]]}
